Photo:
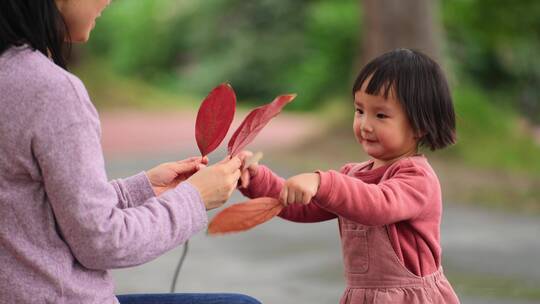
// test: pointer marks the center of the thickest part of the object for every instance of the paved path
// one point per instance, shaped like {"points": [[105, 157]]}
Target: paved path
{"points": [[136, 133], [282, 262]]}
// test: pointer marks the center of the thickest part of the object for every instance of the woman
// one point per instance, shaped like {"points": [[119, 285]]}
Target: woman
{"points": [[62, 224]]}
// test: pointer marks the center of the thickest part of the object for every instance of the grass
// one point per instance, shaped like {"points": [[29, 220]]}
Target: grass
{"points": [[110, 91], [496, 287], [492, 188], [492, 136]]}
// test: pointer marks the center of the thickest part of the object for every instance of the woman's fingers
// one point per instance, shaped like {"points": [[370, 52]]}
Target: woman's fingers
{"points": [[235, 177], [188, 167], [232, 165], [225, 160], [197, 159]]}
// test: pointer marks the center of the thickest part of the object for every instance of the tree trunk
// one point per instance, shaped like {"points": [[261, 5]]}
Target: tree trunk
{"points": [[390, 24]]}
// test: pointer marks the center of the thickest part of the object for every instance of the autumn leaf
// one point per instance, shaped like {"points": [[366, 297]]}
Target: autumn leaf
{"points": [[214, 118], [255, 122], [244, 216]]}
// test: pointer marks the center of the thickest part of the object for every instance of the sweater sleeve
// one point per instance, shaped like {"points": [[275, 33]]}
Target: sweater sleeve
{"points": [[398, 198], [267, 184], [104, 228], [86, 207], [133, 191]]}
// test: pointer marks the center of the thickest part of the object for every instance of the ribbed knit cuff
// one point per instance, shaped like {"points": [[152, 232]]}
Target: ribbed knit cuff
{"points": [[139, 188], [324, 195], [195, 203]]}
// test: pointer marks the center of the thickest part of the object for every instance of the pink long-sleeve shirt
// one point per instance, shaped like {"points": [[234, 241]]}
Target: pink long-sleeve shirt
{"points": [[404, 196], [62, 224]]}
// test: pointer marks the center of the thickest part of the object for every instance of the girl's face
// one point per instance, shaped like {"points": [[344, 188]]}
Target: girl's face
{"points": [[80, 16], [382, 128]]}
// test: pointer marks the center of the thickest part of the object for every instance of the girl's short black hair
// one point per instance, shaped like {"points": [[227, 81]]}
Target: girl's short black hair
{"points": [[420, 86], [37, 23]]}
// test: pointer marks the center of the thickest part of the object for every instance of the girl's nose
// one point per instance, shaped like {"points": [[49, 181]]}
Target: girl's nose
{"points": [[366, 125]]}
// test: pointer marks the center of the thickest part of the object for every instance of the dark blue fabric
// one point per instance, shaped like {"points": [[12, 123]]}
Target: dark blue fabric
{"points": [[187, 298]]}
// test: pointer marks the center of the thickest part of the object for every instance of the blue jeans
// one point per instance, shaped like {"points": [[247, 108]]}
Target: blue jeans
{"points": [[187, 298]]}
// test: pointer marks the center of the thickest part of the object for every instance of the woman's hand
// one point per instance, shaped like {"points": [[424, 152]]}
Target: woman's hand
{"points": [[216, 183], [300, 189], [168, 175]]}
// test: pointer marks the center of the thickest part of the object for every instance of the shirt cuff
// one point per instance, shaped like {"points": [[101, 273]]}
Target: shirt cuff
{"points": [[257, 183], [324, 196], [195, 204], [139, 189], [259, 178]]}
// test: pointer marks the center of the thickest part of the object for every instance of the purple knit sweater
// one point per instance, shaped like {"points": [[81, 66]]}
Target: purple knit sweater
{"points": [[62, 224]]}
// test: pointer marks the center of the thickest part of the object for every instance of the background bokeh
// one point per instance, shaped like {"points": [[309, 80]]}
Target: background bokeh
{"points": [[151, 58]]}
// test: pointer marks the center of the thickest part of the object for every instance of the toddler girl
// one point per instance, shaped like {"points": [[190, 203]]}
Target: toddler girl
{"points": [[389, 207]]}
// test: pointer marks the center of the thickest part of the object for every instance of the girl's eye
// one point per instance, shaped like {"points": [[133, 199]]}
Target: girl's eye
{"points": [[359, 111], [381, 115]]}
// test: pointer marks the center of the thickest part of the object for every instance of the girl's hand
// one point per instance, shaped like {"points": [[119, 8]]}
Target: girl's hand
{"points": [[216, 183], [168, 175], [250, 166], [300, 189]]}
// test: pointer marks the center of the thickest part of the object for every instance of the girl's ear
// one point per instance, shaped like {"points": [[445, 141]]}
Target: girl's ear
{"points": [[420, 134]]}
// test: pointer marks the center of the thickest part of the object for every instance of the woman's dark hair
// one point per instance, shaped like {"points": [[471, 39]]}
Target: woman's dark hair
{"points": [[420, 86], [37, 23]]}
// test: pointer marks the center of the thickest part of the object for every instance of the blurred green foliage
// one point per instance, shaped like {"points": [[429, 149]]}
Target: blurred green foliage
{"points": [[490, 135], [263, 48], [309, 47], [162, 52], [137, 38], [495, 45]]}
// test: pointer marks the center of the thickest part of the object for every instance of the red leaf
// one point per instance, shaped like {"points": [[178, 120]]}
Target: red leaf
{"points": [[214, 118], [255, 122], [244, 216]]}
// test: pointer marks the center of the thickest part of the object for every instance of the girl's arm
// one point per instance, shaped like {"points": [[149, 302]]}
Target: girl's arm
{"points": [[401, 197], [267, 184], [310, 213]]}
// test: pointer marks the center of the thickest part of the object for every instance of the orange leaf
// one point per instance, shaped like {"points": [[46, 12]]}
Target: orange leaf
{"points": [[244, 216]]}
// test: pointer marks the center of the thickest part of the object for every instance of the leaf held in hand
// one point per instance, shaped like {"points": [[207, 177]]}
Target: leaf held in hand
{"points": [[244, 216], [255, 122], [214, 118]]}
